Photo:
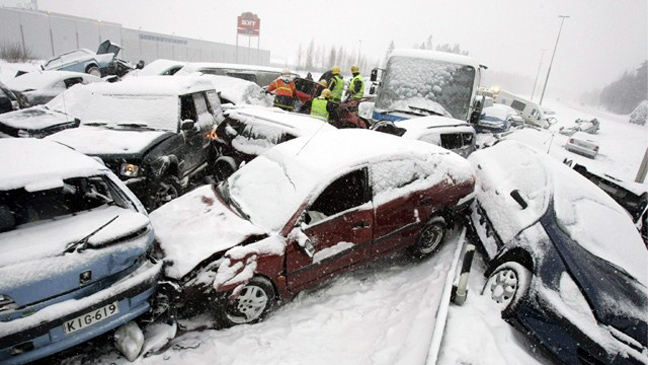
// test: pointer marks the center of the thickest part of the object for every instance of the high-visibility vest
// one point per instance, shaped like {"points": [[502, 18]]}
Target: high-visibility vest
{"points": [[318, 108], [357, 94], [338, 88], [284, 88]]}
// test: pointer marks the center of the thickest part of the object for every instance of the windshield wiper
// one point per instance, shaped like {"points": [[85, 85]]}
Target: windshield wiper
{"points": [[134, 125], [223, 190], [429, 111], [81, 244], [95, 124]]}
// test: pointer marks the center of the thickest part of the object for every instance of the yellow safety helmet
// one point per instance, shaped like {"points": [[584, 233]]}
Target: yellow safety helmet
{"points": [[323, 82], [336, 70], [355, 69], [326, 93]]}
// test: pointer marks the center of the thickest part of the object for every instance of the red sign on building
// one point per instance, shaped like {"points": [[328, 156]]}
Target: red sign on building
{"points": [[249, 24]]}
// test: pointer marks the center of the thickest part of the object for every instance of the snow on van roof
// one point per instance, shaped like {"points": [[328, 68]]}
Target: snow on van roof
{"points": [[38, 164], [435, 55]]}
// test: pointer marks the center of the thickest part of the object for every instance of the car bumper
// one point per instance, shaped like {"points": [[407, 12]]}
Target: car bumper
{"points": [[581, 150], [42, 334]]}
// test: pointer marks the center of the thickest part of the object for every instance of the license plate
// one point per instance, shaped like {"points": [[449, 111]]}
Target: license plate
{"points": [[90, 318]]}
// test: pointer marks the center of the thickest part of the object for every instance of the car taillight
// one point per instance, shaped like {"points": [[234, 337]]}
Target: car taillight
{"points": [[595, 148], [571, 140]]}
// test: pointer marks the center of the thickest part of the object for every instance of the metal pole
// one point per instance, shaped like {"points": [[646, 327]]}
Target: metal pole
{"points": [[643, 168], [537, 74], [552, 57]]}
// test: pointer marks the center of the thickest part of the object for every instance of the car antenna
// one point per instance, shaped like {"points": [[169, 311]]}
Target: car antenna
{"points": [[311, 137]]}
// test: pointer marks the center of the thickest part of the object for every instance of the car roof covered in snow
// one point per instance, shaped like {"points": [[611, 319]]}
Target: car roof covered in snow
{"points": [[40, 79], [435, 55], [297, 124], [38, 164], [154, 85], [196, 66]]}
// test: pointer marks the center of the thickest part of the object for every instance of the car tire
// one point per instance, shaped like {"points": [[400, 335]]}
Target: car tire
{"points": [[94, 71], [224, 168], [167, 189], [253, 303], [507, 285], [430, 237]]}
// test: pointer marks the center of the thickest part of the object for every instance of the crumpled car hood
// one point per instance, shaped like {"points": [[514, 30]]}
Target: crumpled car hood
{"points": [[195, 226], [34, 118], [99, 141]]}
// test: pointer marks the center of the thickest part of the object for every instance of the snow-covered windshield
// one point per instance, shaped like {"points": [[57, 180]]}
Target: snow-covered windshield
{"points": [[442, 87], [158, 112], [75, 195], [267, 193]]}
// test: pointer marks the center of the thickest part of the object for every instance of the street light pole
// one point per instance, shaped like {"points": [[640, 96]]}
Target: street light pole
{"points": [[535, 83], [563, 17]]}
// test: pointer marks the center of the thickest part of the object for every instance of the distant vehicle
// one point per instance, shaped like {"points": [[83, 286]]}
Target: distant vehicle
{"points": [[261, 75], [239, 92], [498, 118], [582, 125], [531, 112], [73, 250], [449, 133], [420, 83], [160, 68], [630, 195], [248, 132], [640, 114], [39, 87], [564, 261], [154, 132], [103, 62], [303, 212], [8, 100], [583, 143]]}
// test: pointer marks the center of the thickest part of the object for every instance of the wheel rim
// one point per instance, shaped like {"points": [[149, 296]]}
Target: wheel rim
{"points": [[223, 172], [431, 238], [503, 285], [166, 193], [248, 306]]}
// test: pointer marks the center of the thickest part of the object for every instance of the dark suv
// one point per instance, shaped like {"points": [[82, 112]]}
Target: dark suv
{"points": [[8, 101], [155, 133]]}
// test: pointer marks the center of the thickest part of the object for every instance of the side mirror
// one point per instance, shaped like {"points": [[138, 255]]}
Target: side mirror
{"points": [[515, 194], [303, 242], [372, 89], [187, 125]]}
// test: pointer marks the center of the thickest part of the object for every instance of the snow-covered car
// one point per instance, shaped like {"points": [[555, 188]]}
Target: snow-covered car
{"points": [[248, 132], [582, 125], [583, 143], [159, 68], [303, 212], [40, 87], [261, 75], [452, 134], [235, 91], [73, 250], [154, 132], [564, 260], [498, 118], [8, 100], [103, 62], [640, 114]]}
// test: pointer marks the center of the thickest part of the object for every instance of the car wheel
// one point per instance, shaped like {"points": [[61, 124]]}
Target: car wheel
{"points": [[506, 285], [167, 189], [223, 170], [255, 300], [430, 237], [94, 71]]}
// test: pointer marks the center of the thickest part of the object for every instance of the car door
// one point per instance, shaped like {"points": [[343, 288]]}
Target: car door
{"points": [[339, 225], [197, 140]]}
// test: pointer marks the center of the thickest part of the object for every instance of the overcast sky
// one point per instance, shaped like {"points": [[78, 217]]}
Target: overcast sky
{"points": [[600, 40]]}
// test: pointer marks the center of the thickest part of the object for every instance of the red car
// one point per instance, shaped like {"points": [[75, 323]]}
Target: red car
{"points": [[304, 211]]}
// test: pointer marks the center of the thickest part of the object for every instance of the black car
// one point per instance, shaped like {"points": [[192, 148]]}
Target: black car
{"points": [[564, 260], [8, 101], [154, 132]]}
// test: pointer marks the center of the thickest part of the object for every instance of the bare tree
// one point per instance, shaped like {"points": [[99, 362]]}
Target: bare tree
{"points": [[299, 56], [332, 58], [390, 49], [310, 53]]}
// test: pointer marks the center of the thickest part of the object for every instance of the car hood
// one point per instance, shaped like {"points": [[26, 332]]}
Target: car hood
{"points": [[34, 118], [34, 265], [196, 226], [96, 141]]}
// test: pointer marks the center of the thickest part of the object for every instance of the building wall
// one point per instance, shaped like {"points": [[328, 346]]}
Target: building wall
{"points": [[47, 35]]}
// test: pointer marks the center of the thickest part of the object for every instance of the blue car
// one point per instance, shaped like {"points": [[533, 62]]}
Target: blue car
{"points": [[498, 118], [73, 250], [565, 262]]}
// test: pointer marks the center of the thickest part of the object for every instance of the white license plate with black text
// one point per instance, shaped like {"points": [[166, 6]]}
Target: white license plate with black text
{"points": [[91, 318]]}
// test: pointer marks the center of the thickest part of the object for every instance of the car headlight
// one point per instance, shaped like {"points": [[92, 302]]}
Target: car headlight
{"points": [[6, 303], [129, 170]]}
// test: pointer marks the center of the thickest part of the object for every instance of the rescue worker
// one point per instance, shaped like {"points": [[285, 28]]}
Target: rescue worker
{"points": [[322, 108], [356, 86], [285, 91], [336, 85]]}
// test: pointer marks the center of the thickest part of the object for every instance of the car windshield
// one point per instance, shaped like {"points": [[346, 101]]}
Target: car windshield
{"points": [[442, 87], [76, 195], [268, 192], [160, 112]]}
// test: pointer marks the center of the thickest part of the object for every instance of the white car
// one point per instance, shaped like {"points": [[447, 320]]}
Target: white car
{"points": [[39, 87], [583, 143]]}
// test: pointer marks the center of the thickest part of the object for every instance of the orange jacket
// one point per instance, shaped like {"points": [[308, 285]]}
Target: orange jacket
{"points": [[282, 88]]}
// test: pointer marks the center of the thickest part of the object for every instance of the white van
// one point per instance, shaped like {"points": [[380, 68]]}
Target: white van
{"points": [[531, 112]]}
